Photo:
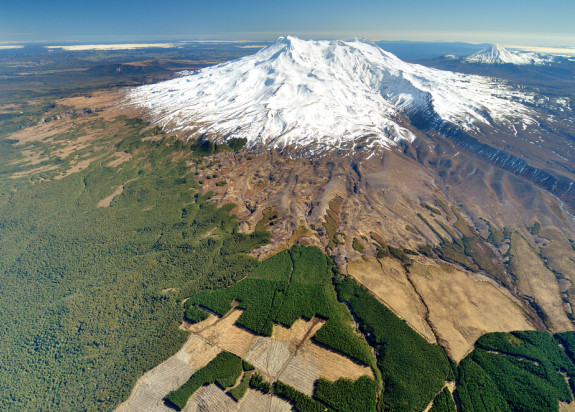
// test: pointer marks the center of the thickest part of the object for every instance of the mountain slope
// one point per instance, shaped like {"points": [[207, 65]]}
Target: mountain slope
{"points": [[325, 95], [481, 147]]}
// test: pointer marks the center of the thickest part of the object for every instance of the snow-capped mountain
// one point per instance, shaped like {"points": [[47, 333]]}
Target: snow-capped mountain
{"points": [[497, 54], [326, 94]]}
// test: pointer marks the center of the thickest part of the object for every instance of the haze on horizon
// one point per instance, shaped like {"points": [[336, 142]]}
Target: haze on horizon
{"points": [[527, 22]]}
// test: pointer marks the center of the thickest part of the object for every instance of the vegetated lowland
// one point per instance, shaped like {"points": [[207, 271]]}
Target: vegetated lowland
{"points": [[92, 295], [35, 72]]}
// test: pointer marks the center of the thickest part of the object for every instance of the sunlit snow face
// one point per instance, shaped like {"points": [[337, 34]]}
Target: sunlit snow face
{"points": [[497, 54], [324, 95]]}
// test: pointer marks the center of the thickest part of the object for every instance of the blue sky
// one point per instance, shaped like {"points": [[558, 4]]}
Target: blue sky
{"points": [[529, 22]]}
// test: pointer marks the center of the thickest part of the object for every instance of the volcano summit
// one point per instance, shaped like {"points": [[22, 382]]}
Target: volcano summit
{"points": [[323, 95]]}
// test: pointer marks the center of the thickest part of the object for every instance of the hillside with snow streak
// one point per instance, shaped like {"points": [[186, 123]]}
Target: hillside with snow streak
{"points": [[322, 95]]}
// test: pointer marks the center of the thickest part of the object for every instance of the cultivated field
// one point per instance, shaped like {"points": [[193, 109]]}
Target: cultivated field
{"points": [[288, 355]]}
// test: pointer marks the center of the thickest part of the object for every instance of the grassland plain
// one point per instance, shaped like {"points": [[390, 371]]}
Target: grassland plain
{"points": [[91, 295]]}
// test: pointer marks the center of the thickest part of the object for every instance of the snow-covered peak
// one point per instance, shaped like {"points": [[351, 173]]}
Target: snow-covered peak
{"points": [[497, 54], [322, 95]]}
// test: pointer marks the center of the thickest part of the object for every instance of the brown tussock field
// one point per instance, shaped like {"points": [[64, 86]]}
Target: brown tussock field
{"points": [[457, 306], [536, 281]]}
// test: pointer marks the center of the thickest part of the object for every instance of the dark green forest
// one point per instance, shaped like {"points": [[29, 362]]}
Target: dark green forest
{"points": [[291, 285], [224, 370], [413, 370], [518, 371], [443, 402], [91, 295]]}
